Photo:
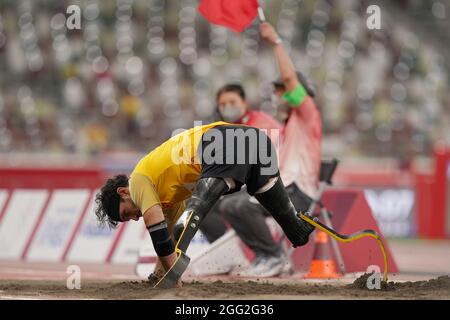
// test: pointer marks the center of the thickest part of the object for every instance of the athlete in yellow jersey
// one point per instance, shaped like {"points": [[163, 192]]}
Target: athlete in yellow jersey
{"points": [[166, 176], [200, 164]]}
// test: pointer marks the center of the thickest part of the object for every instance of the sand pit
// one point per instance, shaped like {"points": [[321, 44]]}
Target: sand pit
{"points": [[438, 284], [438, 288]]}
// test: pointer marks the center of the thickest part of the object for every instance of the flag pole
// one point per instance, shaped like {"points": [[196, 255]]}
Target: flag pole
{"points": [[261, 15]]}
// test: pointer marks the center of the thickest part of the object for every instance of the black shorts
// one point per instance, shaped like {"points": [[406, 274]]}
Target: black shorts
{"points": [[243, 153]]}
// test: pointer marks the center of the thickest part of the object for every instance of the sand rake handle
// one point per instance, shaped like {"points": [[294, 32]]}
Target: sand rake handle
{"points": [[350, 238]]}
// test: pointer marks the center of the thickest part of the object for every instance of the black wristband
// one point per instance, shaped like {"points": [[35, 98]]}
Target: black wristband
{"points": [[162, 241]]}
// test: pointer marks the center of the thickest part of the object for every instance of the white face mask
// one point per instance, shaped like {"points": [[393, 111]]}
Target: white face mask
{"points": [[231, 113]]}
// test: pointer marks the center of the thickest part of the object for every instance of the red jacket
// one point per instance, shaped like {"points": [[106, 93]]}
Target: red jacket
{"points": [[266, 122]]}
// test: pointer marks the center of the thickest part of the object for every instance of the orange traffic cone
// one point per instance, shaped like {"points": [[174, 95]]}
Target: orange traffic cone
{"points": [[322, 265]]}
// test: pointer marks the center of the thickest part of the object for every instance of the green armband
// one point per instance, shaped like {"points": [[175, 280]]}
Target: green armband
{"points": [[295, 97]]}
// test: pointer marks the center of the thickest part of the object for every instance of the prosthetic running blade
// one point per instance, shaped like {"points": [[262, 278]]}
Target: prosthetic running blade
{"points": [[349, 238]]}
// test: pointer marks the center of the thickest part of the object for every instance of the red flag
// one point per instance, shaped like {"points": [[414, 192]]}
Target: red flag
{"points": [[234, 14]]}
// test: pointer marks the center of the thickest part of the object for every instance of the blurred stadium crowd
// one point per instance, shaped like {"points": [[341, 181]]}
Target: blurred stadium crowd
{"points": [[139, 69]]}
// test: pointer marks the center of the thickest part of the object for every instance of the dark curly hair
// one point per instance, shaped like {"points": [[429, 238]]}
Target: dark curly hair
{"points": [[107, 200]]}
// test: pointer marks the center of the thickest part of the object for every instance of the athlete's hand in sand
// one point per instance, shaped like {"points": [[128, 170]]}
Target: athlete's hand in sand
{"points": [[158, 273], [179, 284], [154, 278], [268, 33]]}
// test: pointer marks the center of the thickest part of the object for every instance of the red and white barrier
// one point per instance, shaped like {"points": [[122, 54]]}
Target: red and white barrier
{"points": [[48, 216]]}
